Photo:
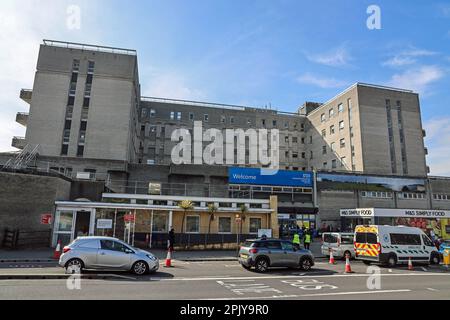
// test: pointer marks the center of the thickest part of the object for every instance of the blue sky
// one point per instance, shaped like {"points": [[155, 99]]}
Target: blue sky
{"points": [[254, 53]]}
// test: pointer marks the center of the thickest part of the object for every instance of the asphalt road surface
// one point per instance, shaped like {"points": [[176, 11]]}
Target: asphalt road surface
{"points": [[229, 281]]}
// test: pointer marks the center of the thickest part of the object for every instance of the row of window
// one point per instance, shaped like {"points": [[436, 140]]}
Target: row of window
{"points": [[441, 196], [224, 224], [70, 106], [332, 113], [176, 115], [389, 195], [332, 129], [334, 163]]}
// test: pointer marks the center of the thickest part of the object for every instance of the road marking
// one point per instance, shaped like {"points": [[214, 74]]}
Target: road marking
{"points": [[313, 295], [424, 269], [232, 265], [212, 278], [243, 288], [431, 289]]}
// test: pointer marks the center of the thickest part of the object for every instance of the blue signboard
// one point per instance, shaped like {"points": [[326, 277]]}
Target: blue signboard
{"points": [[266, 177]]}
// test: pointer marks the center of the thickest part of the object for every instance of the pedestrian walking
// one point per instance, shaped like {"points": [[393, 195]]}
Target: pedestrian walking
{"points": [[171, 243], [296, 241], [307, 239]]}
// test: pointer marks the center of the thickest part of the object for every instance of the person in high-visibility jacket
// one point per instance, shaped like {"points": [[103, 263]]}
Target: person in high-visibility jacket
{"points": [[307, 239], [296, 240]]}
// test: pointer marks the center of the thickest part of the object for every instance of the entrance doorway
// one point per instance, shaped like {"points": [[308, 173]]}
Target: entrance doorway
{"points": [[82, 224]]}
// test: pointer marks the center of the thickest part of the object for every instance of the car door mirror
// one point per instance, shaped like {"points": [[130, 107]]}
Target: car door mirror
{"points": [[128, 251]]}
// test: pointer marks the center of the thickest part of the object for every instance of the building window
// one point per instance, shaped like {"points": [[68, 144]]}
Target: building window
{"points": [[286, 124], [159, 222], [340, 108], [224, 225], [274, 123], [64, 149], [178, 116], [206, 118], [324, 133], [286, 154], [286, 139], [71, 101], [324, 149], [303, 140], [294, 140], [86, 102], [333, 164], [342, 143], [91, 66], [325, 165], [331, 113], [343, 161], [231, 120], [66, 137], [73, 88], [333, 146], [76, 65], [322, 117], [376, 194], [172, 115], [311, 154], [255, 225], [82, 138], [80, 151], [302, 127], [341, 125], [192, 224], [303, 155], [294, 155], [152, 113], [143, 113]]}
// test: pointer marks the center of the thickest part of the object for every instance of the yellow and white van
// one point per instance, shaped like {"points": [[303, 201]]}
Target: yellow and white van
{"points": [[392, 245]]}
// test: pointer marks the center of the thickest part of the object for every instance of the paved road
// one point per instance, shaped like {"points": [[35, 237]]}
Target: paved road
{"points": [[228, 281]]}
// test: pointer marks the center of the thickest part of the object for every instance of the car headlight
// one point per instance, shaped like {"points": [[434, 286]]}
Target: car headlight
{"points": [[153, 258]]}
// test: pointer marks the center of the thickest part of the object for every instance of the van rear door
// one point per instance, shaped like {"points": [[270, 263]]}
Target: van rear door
{"points": [[367, 243]]}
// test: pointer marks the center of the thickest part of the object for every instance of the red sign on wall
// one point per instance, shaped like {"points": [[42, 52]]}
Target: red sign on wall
{"points": [[46, 218], [129, 218]]}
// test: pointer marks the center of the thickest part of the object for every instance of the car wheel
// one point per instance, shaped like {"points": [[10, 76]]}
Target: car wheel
{"points": [[262, 265], [392, 261], [74, 266], [435, 259], [139, 268], [305, 264]]}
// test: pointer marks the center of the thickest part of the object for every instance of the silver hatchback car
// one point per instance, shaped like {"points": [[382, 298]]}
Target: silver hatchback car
{"points": [[265, 253], [106, 254]]}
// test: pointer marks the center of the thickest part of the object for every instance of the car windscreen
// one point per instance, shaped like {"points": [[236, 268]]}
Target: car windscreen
{"points": [[346, 239], [248, 244], [329, 238], [366, 237]]}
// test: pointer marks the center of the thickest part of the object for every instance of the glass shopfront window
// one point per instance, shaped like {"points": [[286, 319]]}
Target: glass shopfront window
{"points": [[255, 225], [160, 222], [192, 224], [224, 225]]}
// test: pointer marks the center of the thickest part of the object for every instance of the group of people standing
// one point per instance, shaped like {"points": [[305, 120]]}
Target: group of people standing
{"points": [[304, 235]]}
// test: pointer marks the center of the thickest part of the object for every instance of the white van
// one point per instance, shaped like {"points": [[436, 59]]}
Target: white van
{"points": [[391, 245], [340, 242]]}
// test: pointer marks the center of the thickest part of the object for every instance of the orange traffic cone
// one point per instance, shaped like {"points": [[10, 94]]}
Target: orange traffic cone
{"points": [[348, 268], [57, 252], [169, 259], [410, 265], [331, 257]]}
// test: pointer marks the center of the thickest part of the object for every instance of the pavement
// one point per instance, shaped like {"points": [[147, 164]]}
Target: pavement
{"points": [[46, 255], [228, 281]]}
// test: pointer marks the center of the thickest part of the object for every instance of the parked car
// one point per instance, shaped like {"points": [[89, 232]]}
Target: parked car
{"points": [[392, 245], [106, 253], [263, 254], [340, 242]]}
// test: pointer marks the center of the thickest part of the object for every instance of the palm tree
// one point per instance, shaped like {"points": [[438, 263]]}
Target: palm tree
{"points": [[186, 205], [212, 208], [243, 208]]}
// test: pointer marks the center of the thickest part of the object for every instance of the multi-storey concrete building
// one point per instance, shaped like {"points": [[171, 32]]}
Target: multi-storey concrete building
{"points": [[88, 120]]}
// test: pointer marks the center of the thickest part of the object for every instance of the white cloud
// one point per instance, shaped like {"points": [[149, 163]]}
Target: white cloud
{"points": [[335, 58], [407, 57], [321, 82], [438, 143], [417, 79], [23, 27]]}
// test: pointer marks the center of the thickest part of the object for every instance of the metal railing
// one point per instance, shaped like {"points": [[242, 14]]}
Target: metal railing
{"points": [[89, 47]]}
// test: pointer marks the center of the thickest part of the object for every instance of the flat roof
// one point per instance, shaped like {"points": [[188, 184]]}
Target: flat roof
{"points": [[89, 47], [217, 105]]}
